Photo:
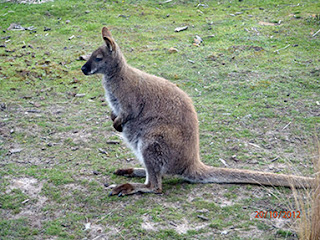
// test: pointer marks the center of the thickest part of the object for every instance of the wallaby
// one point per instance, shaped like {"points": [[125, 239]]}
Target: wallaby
{"points": [[159, 123]]}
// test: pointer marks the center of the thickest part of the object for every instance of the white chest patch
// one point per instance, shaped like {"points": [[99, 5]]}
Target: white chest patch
{"points": [[112, 101]]}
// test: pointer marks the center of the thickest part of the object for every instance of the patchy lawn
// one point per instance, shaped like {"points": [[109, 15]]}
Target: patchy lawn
{"points": [[254, 80]]}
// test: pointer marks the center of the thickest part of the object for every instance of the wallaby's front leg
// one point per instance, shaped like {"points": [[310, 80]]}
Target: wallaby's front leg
{"points": [[118, 121]]}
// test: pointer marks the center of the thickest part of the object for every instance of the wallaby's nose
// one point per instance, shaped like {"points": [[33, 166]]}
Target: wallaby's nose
{"points": [[84, 69]]}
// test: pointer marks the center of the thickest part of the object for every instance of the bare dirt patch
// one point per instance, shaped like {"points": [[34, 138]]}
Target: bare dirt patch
{"points": [[33, 205]]}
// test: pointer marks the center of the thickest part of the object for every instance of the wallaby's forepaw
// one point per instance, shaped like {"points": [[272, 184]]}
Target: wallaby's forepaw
{"points": [[117, 124], [122, 190], [124, 172]]}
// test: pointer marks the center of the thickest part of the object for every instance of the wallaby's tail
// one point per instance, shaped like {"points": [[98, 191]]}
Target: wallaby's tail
{"points": [[202, 173]]}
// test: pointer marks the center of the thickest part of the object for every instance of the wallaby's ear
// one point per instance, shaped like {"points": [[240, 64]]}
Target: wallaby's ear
{"points": [[107, 37]]}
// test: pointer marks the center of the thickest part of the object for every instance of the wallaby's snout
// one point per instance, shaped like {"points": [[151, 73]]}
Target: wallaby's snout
{"points": [[85, 69]]}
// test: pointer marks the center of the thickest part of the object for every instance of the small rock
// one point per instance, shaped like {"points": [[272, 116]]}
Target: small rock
{"points": [[106, 184], [74, 148], [46, 29], [179, 29], [234, 158], [80, 95], [12, 131], [15, 150], [3, 106], [225, 232], [203, 210], [86, 12], [68, 21], [95, 172], [87, 226]]}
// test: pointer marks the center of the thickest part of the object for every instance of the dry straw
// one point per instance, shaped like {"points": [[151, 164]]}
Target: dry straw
{"points": [[308, 201]]}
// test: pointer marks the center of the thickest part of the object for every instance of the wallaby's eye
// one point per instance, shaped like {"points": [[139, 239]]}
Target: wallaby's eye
{"points": [[98, 59]]}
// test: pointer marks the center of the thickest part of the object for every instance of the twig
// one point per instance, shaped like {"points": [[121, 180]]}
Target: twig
{"points": [[165, 2], [316, 33], [277, 51], [286, 126], [275, 159], [255, 145], [223, 162]]}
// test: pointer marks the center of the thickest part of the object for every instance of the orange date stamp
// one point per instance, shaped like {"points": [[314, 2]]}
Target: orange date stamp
{"points": [[276, 214]]}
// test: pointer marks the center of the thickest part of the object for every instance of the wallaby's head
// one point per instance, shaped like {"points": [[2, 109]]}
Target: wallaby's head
{"points": [[104, 59]]}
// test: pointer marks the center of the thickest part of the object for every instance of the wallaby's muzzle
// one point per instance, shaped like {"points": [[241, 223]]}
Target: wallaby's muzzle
{"points": [[85, 69]]}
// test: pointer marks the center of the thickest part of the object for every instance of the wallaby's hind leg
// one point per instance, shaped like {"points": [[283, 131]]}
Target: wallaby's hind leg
{"points": [[131, 172], [153, 183], [153, 186]]}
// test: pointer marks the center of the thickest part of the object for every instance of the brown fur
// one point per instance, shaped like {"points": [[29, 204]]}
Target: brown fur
{"points": [[158, 121]]}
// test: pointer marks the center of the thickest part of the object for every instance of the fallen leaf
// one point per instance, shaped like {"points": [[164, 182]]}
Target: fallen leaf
{"points": [[35, 104], [197, 41], [15, 26], [172, 50], [85, 57], [75, 80]]}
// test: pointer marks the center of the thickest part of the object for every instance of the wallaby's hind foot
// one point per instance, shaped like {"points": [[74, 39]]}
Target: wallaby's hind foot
{"points": [[131, 172], [132, 188]]}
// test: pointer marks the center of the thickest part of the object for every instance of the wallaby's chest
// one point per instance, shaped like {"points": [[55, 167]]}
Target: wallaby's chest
{"points": [[111, 98]]}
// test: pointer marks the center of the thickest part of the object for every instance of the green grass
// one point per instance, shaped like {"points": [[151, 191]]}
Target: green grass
{"points": [[255, 89]]}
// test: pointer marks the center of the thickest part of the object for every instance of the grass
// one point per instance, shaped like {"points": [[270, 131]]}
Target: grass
{"points": [[255, 88]]}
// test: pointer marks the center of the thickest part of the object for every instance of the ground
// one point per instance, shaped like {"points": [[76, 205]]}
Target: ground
{"points": [[254, 80]]}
